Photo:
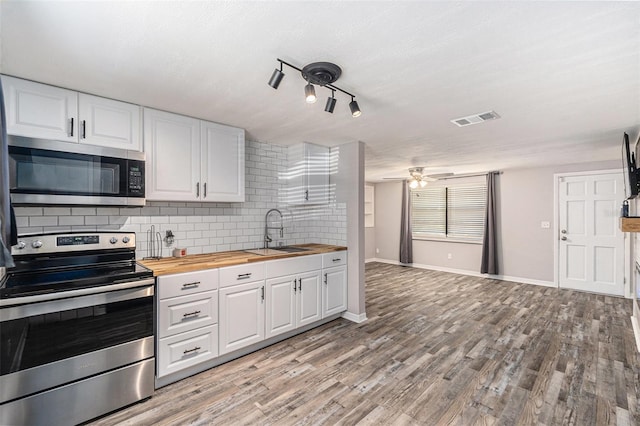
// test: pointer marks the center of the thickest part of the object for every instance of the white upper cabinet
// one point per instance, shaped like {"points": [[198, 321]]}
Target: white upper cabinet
{"points": [[192, 160], [106, 122], [308, 174], [41, 111], [222, 162], [172, 150]]}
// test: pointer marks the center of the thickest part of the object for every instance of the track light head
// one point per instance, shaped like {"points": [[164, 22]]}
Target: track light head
{"points": [[276, 78], [355, 109], [331, 103], [310, 93]]}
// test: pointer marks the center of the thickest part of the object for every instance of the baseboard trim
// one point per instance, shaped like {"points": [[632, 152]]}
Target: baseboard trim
{"points": [[470, 273], [636, 331], [373, 259], [357, 318]]}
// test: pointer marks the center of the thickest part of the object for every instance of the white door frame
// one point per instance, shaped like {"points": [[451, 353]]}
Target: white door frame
{"points": [[556, 231]]}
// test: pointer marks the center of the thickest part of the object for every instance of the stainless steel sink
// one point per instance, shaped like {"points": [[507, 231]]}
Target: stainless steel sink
{"points": [[291, 249], [274, 251]]}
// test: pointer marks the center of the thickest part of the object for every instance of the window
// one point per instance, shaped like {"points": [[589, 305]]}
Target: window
{"points": [[449, 212]]}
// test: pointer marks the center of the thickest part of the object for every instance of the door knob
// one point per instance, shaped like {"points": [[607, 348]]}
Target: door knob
{"points": [[564, 231], [563, 238]]}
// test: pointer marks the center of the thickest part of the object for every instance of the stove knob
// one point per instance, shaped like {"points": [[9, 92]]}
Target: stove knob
{"points": [[125, 240], [21, 245], [113, 240], [36, 244]]}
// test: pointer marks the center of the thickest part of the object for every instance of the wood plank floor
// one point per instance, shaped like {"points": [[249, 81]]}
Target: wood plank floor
{"points": [[438, 348]]}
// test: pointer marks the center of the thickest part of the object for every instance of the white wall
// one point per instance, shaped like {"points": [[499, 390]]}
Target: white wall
{"points": [[526, 198], [207, 227]]}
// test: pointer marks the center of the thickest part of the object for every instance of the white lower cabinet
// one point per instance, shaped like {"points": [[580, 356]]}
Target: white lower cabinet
{"points": [[241, 316], [292, 301], [334, 288], [187, 320]]}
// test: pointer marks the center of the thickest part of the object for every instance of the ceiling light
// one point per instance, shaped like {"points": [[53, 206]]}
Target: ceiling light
{"points": [[310, 93], [413, 184], [416, 178], [355, 109], [331, 103], [322, 74], [276, 77]]}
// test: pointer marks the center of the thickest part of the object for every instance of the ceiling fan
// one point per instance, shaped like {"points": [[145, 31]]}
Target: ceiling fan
{"points": [[417, 179]]}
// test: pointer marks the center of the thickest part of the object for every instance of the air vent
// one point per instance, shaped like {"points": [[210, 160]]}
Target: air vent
{"points": [[475, 119]]}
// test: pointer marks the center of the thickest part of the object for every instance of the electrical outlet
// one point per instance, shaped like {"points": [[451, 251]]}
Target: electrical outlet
{"points": [[545, 225], [449, 256], [377, 251]]}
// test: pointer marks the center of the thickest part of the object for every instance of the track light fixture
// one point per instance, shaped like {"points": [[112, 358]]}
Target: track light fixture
{"points": [[310, 93], [321, 74], [276, 77], [331, 102]]}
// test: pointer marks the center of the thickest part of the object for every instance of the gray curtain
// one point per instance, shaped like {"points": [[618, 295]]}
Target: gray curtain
{"points": [[406, 242], [6, 234], [490, 242]]}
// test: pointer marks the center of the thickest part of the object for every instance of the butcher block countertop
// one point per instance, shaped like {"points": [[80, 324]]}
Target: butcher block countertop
{"points": [[197, 262]]}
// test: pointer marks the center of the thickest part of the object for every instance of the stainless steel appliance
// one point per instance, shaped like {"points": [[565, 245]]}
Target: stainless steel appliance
{"points": [[52, 172], [76, 328]]}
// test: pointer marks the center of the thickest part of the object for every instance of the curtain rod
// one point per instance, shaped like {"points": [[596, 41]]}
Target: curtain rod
{"points": [[466, 175]]}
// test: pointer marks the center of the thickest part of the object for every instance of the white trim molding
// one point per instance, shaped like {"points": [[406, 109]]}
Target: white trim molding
{"points": [[357, 318], [471, 273]]}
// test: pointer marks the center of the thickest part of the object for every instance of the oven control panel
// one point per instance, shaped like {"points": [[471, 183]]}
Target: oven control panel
{"points": [[56, 243]]}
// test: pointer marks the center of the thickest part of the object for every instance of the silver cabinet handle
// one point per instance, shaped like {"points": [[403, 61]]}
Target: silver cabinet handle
{"points": [[325, 278], [84, 129], [244, 276], [198, 189], [188, 351], [191, 314], [306, 195], [189, 285], [337, 260], [262, 288], [300, 284], [295, 285], [71, 128]]}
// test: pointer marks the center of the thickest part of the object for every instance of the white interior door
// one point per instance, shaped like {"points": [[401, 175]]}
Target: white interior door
{"points": [[591, 245]]}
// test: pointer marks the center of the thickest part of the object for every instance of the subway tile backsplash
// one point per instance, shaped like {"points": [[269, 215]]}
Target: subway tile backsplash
{"points": [[207, 227]]}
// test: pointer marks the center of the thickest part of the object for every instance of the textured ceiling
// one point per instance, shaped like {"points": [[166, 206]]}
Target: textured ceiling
{"points": [[564, 76]]}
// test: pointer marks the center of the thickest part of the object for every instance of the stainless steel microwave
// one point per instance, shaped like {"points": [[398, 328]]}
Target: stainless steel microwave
{"points": [[53, 172]]}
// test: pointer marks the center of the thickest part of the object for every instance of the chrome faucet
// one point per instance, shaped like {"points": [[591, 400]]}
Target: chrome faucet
{"points": [[267, 238]]}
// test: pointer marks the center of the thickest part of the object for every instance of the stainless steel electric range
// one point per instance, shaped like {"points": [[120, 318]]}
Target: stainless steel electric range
{"points": [[76, 328]]}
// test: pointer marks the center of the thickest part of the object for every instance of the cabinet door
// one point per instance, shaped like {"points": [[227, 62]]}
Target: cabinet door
{"points": [[109, 123], [241, 316], [280, 305], [222, 162], [172, 148], [308, 174], [40, 111], [334, 292], [317, 160], [309, 303]]}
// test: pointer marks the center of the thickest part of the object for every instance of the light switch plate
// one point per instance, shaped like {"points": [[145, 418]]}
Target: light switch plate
{"points": [[545, 224]]}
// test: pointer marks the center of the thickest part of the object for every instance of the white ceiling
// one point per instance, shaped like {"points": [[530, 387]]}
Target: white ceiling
{"points": [[564, 76]]}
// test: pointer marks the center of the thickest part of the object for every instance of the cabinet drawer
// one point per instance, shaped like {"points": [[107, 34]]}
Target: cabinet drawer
{"points": [[336, 258], [186, 349], [293, 265], [185, 313], [240, 274], [187, 283]]}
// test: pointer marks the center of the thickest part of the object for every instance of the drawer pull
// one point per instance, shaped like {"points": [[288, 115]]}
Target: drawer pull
{"points": [[337, 260], [295, 285], [188, 351], [244, 276], [191, 314], [325, 278], [189, 285]]}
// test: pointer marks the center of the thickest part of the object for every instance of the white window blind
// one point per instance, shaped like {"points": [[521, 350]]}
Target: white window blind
{"points": [[454, 211]]}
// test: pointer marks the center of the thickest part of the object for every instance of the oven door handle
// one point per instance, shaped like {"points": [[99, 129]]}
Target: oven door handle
{"points": [[74, 299]]}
